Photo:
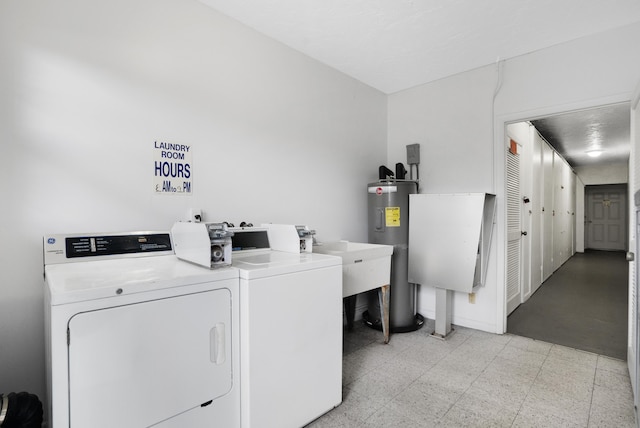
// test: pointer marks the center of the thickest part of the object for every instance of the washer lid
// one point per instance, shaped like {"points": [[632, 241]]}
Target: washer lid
{"points": [[270, 263], [76, 282]]}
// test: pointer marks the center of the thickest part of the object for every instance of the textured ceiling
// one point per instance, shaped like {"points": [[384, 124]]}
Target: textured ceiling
{"points": [[573, 134], [393, 45]]}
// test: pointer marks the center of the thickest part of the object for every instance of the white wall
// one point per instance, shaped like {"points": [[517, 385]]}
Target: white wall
{"points": [[451, 120], [86, 87], [616, 173], [461, 131]]}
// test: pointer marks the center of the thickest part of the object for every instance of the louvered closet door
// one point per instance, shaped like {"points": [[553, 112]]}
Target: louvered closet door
{"points": [[513, 232]]}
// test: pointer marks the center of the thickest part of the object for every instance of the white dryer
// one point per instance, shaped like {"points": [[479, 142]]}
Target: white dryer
{"points": [[136, 337], [291, 332]]}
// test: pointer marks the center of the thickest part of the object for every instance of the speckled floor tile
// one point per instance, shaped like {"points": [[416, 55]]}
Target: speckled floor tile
{"points": [[613, 380], [472, 411], [611, 408], [558, 404], [612, 365], [378, 385], [386, 417], [529, 417], [420, 405], [509, 394], [530, 345], [583, 358], [476, 379], [522, 356]]}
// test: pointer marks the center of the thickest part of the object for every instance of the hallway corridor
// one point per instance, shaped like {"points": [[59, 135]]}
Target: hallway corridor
{"points": [[583, 305]]}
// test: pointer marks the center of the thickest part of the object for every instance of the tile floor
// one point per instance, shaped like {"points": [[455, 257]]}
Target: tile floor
{"points": [[476, 379]]}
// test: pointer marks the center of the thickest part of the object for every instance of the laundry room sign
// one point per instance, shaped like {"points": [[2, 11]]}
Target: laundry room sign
{"points": [[172, 171]]}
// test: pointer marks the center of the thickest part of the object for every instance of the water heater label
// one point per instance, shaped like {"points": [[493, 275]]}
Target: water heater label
{"points": [[392, 216], [379, 190]]}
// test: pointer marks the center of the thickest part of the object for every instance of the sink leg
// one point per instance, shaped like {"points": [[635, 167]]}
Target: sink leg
{"points": [[350, 310], [384, 311]]}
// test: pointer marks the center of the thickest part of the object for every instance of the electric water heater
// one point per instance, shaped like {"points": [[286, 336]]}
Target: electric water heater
{"points": [[388, 205]]}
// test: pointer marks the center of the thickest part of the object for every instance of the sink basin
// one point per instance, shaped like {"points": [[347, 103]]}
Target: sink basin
{"points": [[353, 252], [364, 266]]}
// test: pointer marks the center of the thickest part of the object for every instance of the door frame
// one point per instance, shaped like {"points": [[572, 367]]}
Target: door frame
{"points": [[500, 165], [633, 350]]}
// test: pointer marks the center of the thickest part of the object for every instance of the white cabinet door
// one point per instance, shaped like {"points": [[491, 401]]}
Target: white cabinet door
{"points": [[139, 364]]}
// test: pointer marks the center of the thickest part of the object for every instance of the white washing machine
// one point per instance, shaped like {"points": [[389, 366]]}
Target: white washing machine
{"points": [[291, 332], [136, 337]]}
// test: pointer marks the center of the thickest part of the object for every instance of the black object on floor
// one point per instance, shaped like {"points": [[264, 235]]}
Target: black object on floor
{"points": [[583, 305], [20, 410]]}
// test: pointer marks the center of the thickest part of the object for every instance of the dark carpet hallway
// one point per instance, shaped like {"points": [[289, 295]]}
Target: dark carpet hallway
{"points": [[583, 305]]}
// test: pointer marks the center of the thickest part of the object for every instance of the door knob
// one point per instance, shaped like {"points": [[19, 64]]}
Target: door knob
{"points": [[630, 256], [524, 233]]}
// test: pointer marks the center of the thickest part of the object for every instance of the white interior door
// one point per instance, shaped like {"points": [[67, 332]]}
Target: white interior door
{"points": [[535, 234], [606, 217], [559, 196], [547, 212], [572, 213], [140, 364], [525, 152], [514, 292]]}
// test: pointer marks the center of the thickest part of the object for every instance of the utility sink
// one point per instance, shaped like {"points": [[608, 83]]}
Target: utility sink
{"points": [[364, 266]]}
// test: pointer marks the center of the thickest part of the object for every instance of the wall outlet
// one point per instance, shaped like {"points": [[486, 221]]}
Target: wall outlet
{"points": [[413, 154], [472, 298], [195, 215]]}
